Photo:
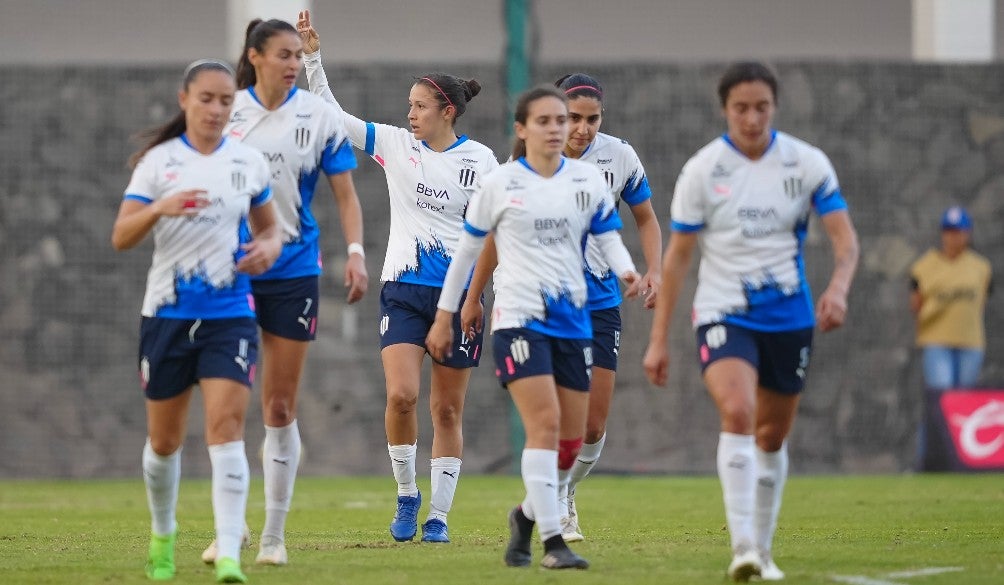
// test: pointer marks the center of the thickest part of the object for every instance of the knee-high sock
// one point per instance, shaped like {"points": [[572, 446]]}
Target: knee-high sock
{"points": [[161, 474], [540, 476], [737, 472], [231, 477], [445, 472], [772, 471], [588, 456], [402, 460], [280, 462]]}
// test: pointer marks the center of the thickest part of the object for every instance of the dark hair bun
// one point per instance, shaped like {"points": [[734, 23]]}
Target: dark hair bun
{"points": [[471, 88], [251, 27]]}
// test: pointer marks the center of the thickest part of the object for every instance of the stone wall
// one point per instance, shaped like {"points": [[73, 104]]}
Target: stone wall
{"points": [[906, 140]]}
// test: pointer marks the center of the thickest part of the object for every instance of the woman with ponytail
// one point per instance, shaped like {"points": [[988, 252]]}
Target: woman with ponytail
{"points": [[195, 190], [431, 175], [300, 135]]}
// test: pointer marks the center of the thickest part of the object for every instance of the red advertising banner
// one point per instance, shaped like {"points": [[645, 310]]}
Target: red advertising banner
{"points": [[975, 422]]}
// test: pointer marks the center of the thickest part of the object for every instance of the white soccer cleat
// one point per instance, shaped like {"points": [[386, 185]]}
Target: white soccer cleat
{"points": [[769, 571], [271, 551], [209, 555], [570, 529], [744, 565]]}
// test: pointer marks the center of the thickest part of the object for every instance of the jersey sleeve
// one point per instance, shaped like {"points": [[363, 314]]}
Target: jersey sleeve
{"points": [[143, 183], [605, 217], [262, 190], [826, 196], [317, 81], [482, 213], [687, 211], [636, 189], [337, 156]]}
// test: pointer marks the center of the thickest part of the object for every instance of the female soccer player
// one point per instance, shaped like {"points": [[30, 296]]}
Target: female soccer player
{"points": [[431, 174], [300, 135], [745, 198], [539, 207], [194, 189]]}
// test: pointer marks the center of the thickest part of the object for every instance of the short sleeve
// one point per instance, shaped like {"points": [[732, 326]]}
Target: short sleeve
{"points": [[337, 156], [262, 190], [826, 196], [605, 217], [636, 189], [687, 210], [142, 185], [481, 216]]}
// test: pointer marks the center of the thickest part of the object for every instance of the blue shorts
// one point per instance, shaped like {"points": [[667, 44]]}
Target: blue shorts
{"points": [[407, 312], [781, 358], [606, 337], [521, 353], [176, 353], [288, 307]]}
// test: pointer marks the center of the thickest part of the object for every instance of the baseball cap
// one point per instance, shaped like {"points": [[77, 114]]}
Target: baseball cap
{"points": [[956, 218]]}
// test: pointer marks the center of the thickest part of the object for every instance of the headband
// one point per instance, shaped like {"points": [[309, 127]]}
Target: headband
{"points": [[443, 93], [589, 87], [216, 64]]}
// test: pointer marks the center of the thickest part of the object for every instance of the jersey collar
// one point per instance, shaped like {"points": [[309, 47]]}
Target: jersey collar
{"points": [[184, 139], [522, 160], [773, 139], [289, 96], [462, 139]]}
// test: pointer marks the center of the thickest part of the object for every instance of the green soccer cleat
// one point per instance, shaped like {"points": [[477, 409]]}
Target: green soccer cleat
{"points": [[160, 561], [229, 571]]}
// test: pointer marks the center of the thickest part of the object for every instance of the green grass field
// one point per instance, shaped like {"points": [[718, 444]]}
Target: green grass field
{"points": [[872, 530]]}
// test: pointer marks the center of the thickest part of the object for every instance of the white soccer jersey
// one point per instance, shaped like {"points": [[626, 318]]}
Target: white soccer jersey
{"points": [[429, 191], [625, 175], [540, 224], [752, 217], [299, 139], [193, 274]]}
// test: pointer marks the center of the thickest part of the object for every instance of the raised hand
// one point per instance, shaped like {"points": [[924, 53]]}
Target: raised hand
{"points": [[309, 37]]}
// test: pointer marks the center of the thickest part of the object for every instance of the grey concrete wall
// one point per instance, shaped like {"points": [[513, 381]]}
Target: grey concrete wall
{"points": [[906, 141]]}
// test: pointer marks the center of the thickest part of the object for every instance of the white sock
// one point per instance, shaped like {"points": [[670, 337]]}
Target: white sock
{"points": [[402, 460], [540, 476], [737, 472], [445, 473], [527, 507], [280, 461], [162, 474], [231, 477], [564, 475], [588, 456], [772, 471]]}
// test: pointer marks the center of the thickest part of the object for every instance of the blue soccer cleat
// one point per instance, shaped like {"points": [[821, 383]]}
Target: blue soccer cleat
{"points": [[435, 531], [404, 526]]}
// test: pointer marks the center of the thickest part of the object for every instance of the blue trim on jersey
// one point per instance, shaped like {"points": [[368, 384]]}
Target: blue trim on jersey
{"points": [[588, 147], [289, 96], [141, 198], [336, 160], [301, 256], [186, 142], [432, 264], [522, 161], [462, 139], [473, 230], [196, 298], [828, 203], [773, 139], [601, 225], [370, 145], [771, 310], [686, 228], [637, 194], [603, 292], [563, 319], [262, 198]]}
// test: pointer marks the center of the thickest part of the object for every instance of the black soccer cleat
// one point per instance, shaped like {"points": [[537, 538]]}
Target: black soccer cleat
{"points": [[517, 552], [563, 558]]}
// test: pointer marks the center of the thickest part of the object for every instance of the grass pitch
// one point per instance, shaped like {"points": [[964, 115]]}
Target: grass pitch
{"points": [[872, 530]]}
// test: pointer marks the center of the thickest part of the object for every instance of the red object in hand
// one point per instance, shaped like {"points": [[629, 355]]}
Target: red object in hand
{"points": [[190, 203]]}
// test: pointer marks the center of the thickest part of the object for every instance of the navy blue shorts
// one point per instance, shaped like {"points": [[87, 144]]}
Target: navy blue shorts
{"points": [[288, 307], [407, 312], [521, 353], [781, 358], [176, 353], [606, 337]]}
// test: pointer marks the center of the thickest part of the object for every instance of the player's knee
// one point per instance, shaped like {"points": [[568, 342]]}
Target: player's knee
{"points": [[401, 401], [568, 450], [165, 446], [446, 415], [769, 438], [595, 429]]}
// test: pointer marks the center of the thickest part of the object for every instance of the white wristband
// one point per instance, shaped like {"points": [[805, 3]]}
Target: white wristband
{"points": [[357, 248]]}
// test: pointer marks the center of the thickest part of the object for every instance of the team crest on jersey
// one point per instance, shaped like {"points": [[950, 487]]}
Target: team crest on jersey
{"points": [[302, 136], [467, 176], [582, 200], [519, 349], [609, 176], [792, 186], [238, 180]]}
